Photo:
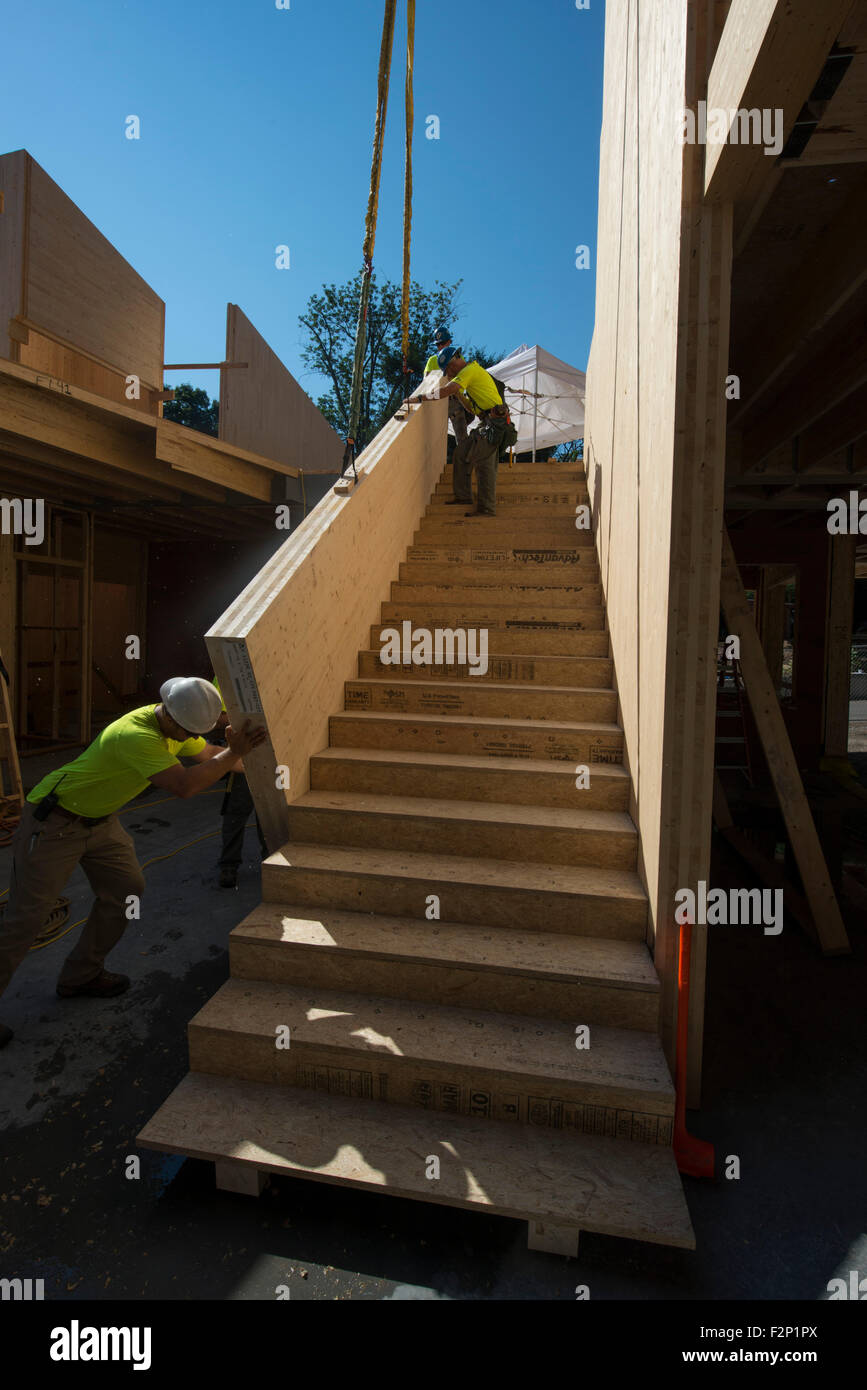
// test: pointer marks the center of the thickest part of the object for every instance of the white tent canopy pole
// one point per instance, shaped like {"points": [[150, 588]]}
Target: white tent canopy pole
{"points": [[556, 414]]}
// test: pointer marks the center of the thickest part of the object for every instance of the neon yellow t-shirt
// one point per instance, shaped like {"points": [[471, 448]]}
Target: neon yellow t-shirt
{"points": [[431, 364], [479, 386], [116, 766]]}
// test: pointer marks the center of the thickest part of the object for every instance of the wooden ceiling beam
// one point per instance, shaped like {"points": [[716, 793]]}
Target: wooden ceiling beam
{"points": [[843, 425], [834, 269], [839, 369], [768, 58]]}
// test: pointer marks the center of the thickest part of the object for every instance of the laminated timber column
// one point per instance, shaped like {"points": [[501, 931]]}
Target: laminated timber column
{"points": [[696, 534], [655, 445]]}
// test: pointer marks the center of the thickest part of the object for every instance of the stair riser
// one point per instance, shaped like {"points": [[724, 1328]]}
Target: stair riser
{"points": [[595, 673], [509, 643], [562, 555], [458, 1088], [508, 509], [535, 474], [518, 596], [573, 745], [498, 532], [554, 789], [459, 613], [474, 839], [498, 991], [547, 576], [475, 699], [620, 919], [533, 490]]}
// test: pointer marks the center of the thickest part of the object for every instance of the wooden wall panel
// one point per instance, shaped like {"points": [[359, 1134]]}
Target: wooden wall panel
{"points": [[631, 382], [262, 407], [14, 173], [285, 647], [8, 604], [654, 436], [78, 292]]}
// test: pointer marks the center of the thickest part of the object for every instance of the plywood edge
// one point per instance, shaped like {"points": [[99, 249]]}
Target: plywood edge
{"points": [[244, 613]]}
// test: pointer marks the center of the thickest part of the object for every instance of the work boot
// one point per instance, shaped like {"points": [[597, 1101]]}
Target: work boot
{"points": [[228, 876], [104, 986], [6, 1035]]}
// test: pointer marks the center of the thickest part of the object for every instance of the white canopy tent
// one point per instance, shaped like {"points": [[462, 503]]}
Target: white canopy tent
{"points": [[551, 410]]}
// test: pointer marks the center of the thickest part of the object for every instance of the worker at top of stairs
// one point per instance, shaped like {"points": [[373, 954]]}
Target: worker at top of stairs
{"points": [[70, 817], [481, 450], [458, 410]]}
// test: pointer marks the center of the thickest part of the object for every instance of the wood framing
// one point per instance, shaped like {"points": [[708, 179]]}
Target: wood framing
{"points": [[784, 772], [834, 269], [155, 458], [841, 587], [285, 648], [768, 58], [263, 408], [70, 305]]}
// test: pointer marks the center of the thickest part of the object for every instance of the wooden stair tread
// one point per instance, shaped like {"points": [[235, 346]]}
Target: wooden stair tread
{"points": [[490, 687], [615, 823], [622, 1065], [589, 1182], [469, 762], [507, 610], [483, 721], [555, 658], [587, 880], [542, 955]]}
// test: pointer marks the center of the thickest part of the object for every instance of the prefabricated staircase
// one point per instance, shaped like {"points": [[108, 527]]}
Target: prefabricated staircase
{"points": [[452, 942]]}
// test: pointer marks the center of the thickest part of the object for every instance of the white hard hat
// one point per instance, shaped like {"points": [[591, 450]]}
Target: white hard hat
{"points": [[192, 702]]}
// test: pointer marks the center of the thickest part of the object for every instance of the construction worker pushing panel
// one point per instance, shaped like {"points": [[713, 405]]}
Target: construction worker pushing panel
{"points": [[70, 818]]}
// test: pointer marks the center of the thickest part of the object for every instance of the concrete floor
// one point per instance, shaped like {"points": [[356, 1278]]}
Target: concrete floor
{"points": [[784, 1088]]}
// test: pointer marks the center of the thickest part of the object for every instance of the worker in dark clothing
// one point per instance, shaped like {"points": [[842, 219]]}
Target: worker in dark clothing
{"points": [[481, 449], [459, 413], [235, 810]]}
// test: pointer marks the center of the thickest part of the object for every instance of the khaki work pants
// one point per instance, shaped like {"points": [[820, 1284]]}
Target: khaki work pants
{"points": [[459, 418], [476, 452], [41, 868]]}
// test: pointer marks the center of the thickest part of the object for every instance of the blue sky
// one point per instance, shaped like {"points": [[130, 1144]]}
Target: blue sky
{"points": [[256, 130]]}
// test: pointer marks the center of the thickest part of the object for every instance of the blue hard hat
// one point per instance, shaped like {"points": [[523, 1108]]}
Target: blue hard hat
{"points": [[445, 357], [442, 335]]}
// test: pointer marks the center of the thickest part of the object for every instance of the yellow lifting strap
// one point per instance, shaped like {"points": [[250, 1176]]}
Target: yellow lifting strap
{"points": [[370, 227], [407, 187]]}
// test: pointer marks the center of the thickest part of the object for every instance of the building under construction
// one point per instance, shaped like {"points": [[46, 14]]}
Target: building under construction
{"points": [[470, 923]]}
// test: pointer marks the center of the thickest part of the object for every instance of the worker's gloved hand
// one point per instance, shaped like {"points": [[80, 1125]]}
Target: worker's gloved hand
{"points": [[242, 741]]}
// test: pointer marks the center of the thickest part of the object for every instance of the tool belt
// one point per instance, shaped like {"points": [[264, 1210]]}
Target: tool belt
{"points": [[85, 820]]}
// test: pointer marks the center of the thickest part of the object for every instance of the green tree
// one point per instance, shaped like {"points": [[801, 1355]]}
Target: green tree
{"points": [[192, 407], [570, 452], [330, 322]]}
